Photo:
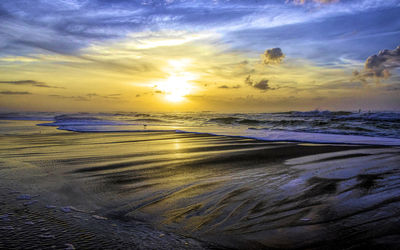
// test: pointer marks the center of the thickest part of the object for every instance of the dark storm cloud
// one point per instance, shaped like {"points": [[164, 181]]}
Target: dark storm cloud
{"points": [[261, 84], [273, 56], [7, 92], [29, 82]]}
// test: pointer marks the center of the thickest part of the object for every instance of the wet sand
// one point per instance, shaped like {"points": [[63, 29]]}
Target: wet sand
{"points": [[176, 190], [36, 224]]}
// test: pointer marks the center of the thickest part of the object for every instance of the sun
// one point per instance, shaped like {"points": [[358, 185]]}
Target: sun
{"points": [[177, 85]]}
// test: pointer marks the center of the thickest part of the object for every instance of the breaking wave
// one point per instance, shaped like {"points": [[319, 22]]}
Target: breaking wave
{"points": [[310, 126]]}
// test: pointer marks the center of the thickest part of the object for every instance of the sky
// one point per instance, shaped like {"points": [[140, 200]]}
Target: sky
{"points": [[199, 55]]}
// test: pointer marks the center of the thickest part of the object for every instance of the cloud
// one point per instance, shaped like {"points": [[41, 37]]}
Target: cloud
{"points": [[379, 66], [315, 1], [76, 98], [63, 28], [261, 84], [110, 96], [29, 82], [87, 97], [341, 84], [6, 92], [229, 87], [273, 56], [90, 95]]}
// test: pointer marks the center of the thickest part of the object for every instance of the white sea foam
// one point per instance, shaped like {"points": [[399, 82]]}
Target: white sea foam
{"points": [[322, 138]]}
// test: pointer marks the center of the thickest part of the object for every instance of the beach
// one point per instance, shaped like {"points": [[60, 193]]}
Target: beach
{"points": [[200, 124], [169, 190]]}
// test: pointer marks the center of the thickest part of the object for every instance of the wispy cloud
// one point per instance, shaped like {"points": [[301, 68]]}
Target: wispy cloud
{"points": [[313, 1], [29, 82], [7, 92], [75, 98], [87, 97], [66, 27]]}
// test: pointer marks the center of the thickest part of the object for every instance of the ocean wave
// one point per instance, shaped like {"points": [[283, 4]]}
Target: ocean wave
{"points": [[371, 124], [151, 120], [37, 116], [82, 119], [316, 113], [61, 118], [224, 120], [250, 122]]}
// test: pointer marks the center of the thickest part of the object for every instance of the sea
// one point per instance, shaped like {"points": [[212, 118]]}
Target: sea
{"points": [[349, 127]]}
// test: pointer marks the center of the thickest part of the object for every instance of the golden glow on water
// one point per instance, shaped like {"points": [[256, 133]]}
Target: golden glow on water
{"points": [[177, 85]]}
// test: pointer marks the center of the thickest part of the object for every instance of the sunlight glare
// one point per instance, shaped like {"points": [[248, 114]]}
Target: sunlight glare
{"points": [[177, 85]]}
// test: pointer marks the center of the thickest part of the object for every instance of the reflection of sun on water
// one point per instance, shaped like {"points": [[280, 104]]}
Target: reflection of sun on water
{"points": [[177, 85]]}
